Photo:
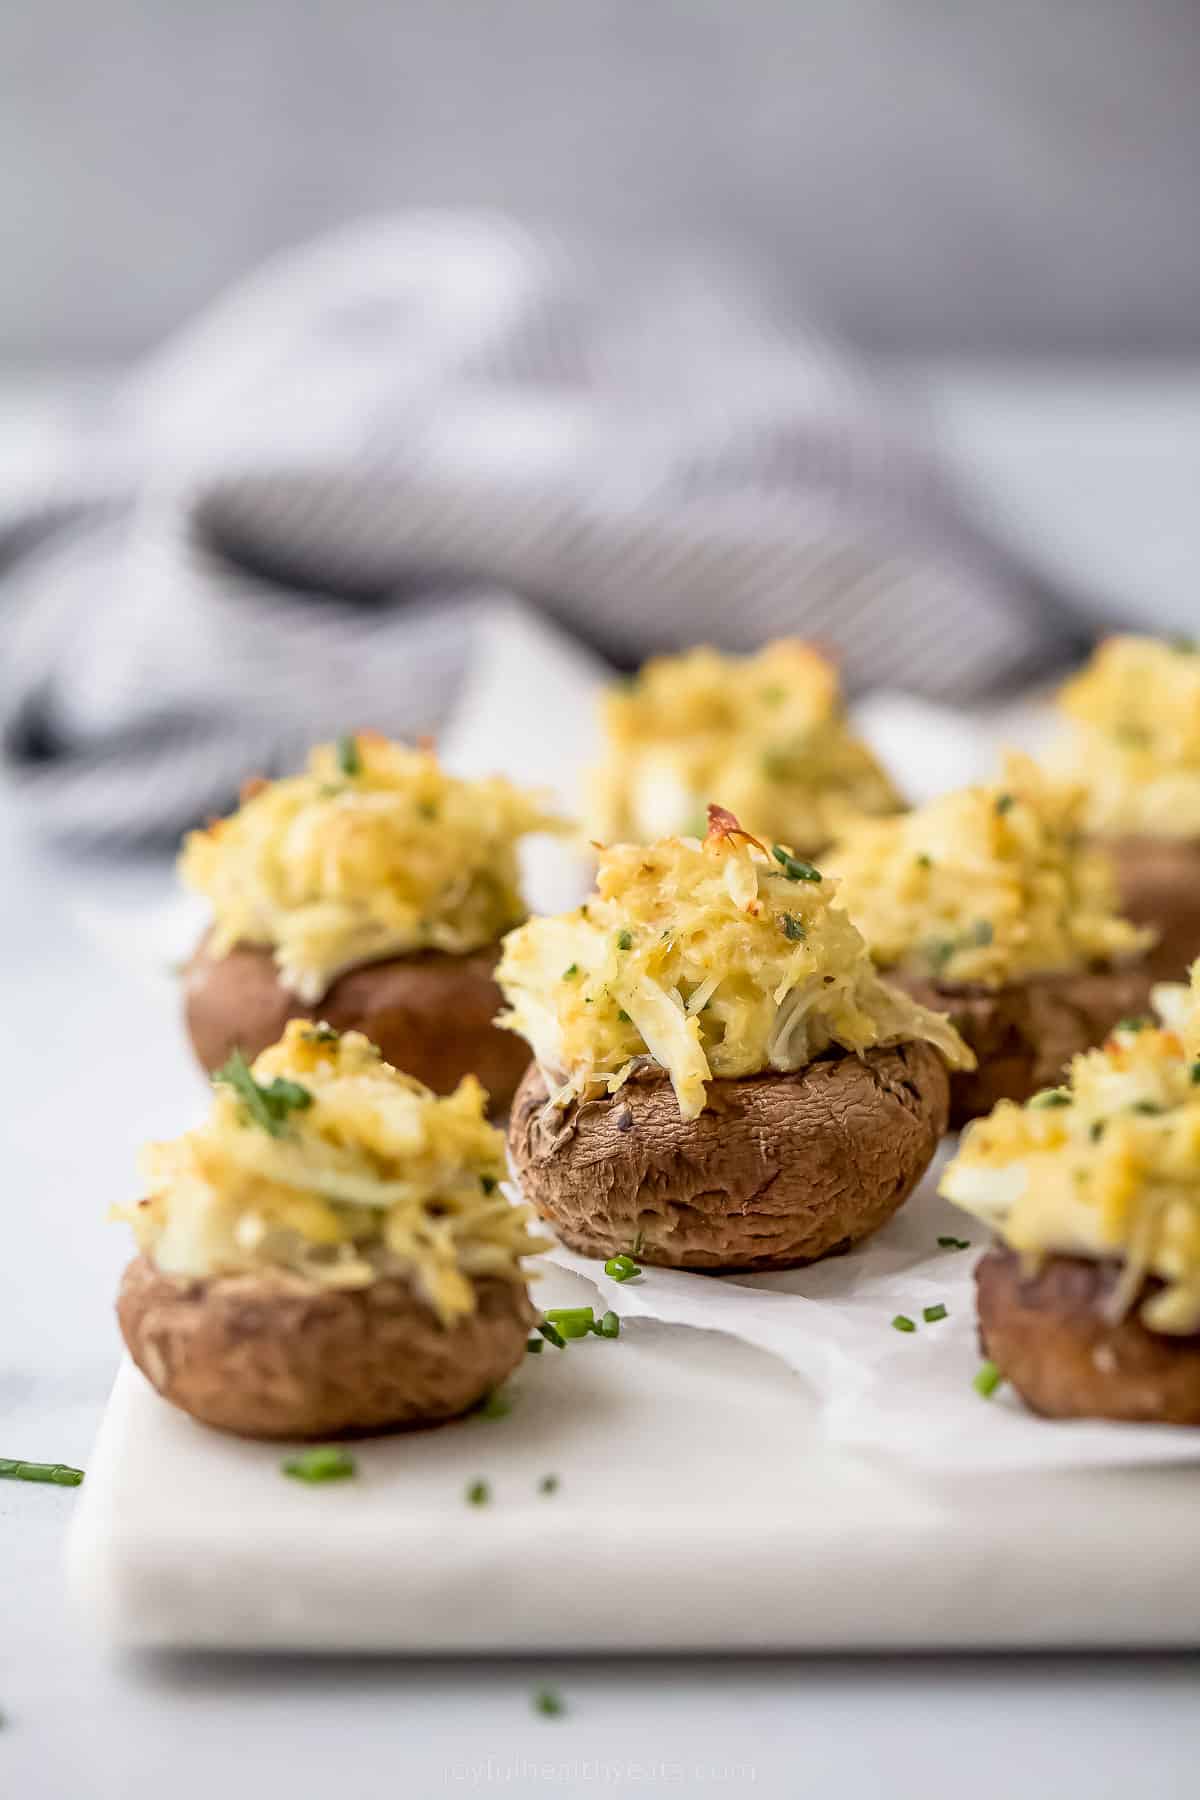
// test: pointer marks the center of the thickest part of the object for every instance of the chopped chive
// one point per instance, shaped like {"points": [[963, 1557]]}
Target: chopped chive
{"points": [[570, 972], [534, 1346], [427, 809], [635, 1249], [488, 1183], [268, 1106], [1096, 1130], [924, 860], [794, 867], [1004, 803], [323, 1034], [954, 1243], [609, 1326], [793, 927], [1195, 1074], [12, 1468], [562, 1314], [624, 940], [328, 1462], [549, 1703], [902, 1322], [1050, 1097], [548, 1484], [987, 1380], [1150, 1108], [478, 1493], [621, 1268], [494, 1405], [348, 755], [931, 1314], [1135, 1024], [624, 1017], [553, 1335]]}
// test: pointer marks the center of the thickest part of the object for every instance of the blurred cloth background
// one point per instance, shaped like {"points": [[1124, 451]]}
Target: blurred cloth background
{"points": [[618, 409]]}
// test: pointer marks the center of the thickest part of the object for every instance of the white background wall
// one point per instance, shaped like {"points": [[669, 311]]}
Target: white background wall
{"points": [[973, 176]]}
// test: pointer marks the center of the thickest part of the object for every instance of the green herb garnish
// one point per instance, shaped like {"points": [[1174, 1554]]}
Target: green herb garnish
{"points": [[268, 1106], [987, 1380], [1195, 1074], [495, 1405], [608, 1327], [478, 1493], [488, 1183], [553, 1335], [549, 1703], [548, 1484], [793, 928], [1004, 803], [1135, 1024], [12, 1468], [328, 1462], [427, 809], [572, 1321], [1050, 1097], [1096, 1130], [348, 755], [924, 860], [931, 1314], [954, 1243], [902, 1322], [1150, 1108], [623, 1017], [570, 972], [323, 1034], [794, 867], [624, 940], [621, 1268]]}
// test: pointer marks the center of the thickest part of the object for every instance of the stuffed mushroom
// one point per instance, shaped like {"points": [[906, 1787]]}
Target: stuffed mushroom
{"points": [[987, 903], [767, 732], [721, 1081], [330, 1252], [371, 892], [1089, 1302], [1134, 744]]}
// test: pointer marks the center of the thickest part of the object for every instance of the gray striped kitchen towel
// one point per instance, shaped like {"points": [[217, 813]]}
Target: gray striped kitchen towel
{"points": [[292, 517]]}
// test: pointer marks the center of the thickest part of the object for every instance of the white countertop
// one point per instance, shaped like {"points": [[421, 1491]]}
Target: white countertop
{"points": [[90, 1065]]}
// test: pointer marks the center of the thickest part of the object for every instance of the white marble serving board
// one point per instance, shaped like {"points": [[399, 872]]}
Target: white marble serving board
{"points": [[696, 1509]]}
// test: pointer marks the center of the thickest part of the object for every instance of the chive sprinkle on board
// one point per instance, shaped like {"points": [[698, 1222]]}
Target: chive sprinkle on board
{"points": [[326, 1462], [549, 1703], [931, 1314], [902, 1322], [12, 1468]]}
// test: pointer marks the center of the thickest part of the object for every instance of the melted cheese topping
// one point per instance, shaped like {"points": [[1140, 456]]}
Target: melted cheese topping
{"points": [[1135, 738], [1107, 1166], [341, 1170], [766, 732], [713, 959], [986, 885], [373, 852]]}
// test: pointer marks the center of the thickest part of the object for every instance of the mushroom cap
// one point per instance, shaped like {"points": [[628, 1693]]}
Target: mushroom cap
{"points": [[1047, 1333], [430, 1014], [278, 1356], [1025, 1034], [778, 1170]]}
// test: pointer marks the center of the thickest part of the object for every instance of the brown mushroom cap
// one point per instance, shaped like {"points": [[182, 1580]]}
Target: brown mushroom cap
{"points": [[1024, 1035], [431, 1015], [1046, 1333], [276, 1356], [777, 1170], [1159, 882]]}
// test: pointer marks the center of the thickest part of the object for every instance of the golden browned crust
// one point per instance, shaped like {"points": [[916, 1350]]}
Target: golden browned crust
{"points": [[1046, 1332], [431, 1014], [1024, 1035], [1159, 881], [276, 1356], [777, 1170]]}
